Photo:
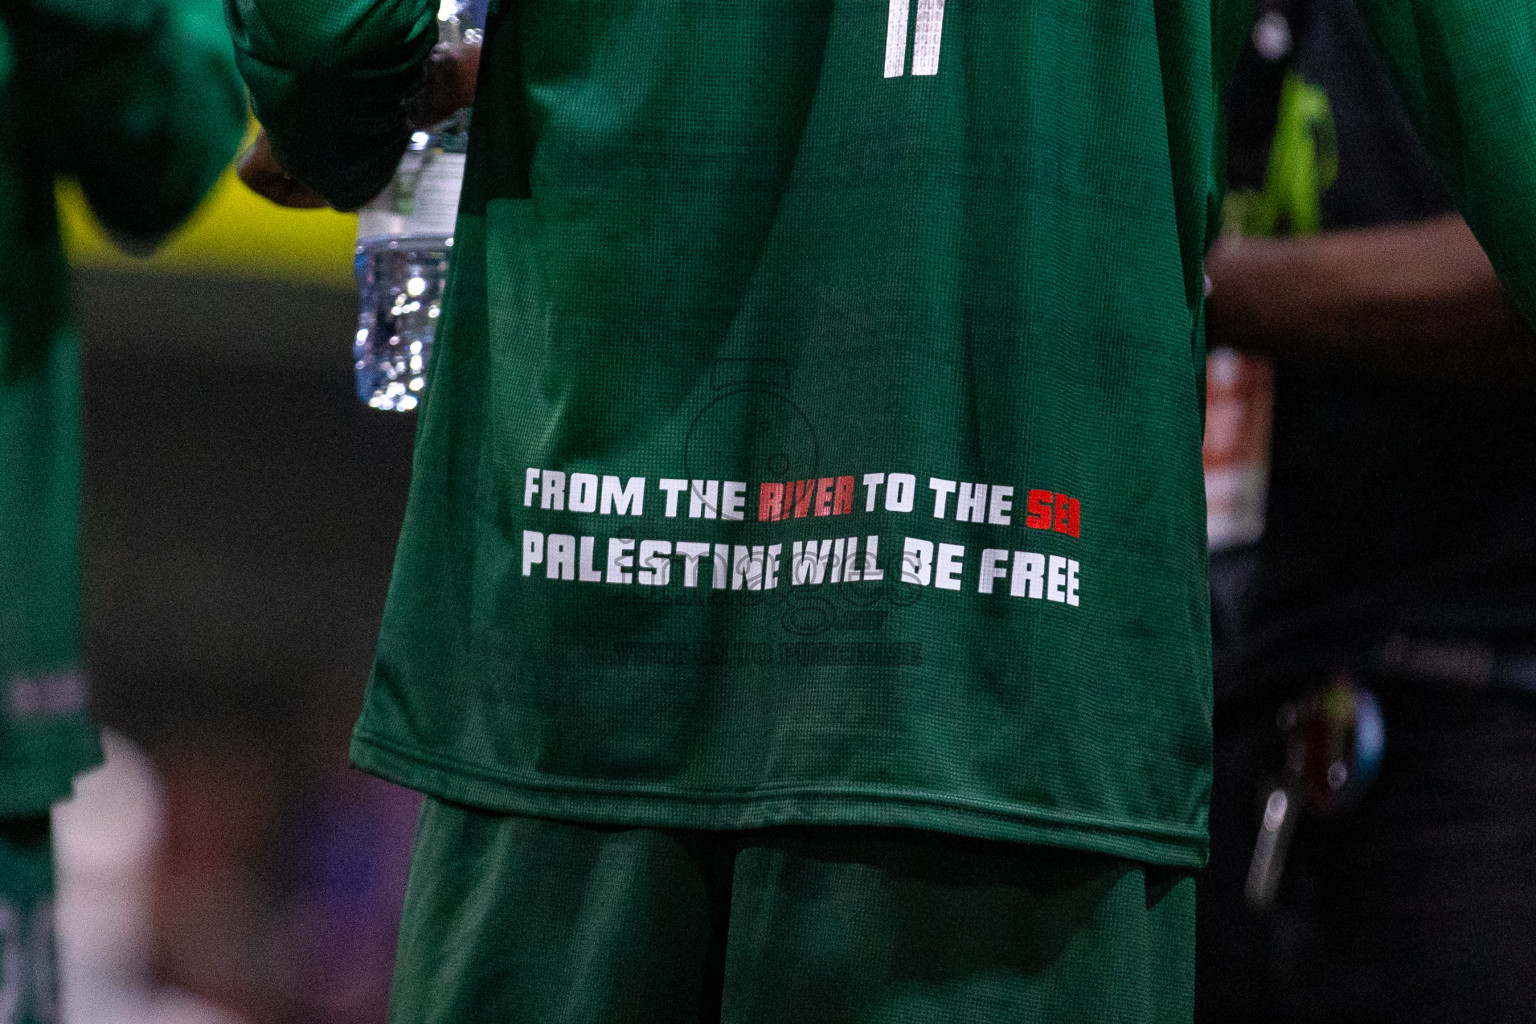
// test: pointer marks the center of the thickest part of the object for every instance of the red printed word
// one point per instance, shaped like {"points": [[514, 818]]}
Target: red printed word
{"points": [[1057, 512], [827, 496]]}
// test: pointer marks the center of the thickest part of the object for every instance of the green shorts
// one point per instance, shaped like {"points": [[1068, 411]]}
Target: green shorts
{"points": [[28, 981], [515, 919]]}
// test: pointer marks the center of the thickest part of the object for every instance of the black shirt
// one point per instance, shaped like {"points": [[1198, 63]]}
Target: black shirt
{"points": [[1397, 506]]}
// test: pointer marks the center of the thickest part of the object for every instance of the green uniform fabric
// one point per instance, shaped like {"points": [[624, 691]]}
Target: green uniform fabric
{"points": [[813, 427], [138, 99], [29, 992], [510, 918]]}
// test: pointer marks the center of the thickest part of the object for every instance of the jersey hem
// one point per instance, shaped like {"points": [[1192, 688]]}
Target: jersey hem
{"points": [[608, 804]]}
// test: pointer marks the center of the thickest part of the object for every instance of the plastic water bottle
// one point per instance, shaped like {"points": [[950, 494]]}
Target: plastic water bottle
{"points": [[404, 240]]}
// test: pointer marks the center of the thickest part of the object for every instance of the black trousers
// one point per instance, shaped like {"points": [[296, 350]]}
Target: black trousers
{"points": [[1417, 906]]}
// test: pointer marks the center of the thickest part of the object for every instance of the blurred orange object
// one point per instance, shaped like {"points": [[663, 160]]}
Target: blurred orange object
{"points": [[1239, 408]]}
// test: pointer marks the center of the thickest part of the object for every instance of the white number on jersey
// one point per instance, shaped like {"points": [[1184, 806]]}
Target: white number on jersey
{"points": [[929, 33]]}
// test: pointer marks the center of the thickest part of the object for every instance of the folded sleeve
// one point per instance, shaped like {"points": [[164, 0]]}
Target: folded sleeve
{"points": [[330, 80], [1466, 71], [138, 99]]}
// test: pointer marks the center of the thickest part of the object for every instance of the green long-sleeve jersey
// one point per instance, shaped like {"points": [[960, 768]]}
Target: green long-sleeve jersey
{"points": [[139, 100], [814, 423]]}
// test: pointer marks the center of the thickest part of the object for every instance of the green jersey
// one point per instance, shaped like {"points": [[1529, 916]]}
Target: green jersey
{"points": [[813, 430], [139, 100]]}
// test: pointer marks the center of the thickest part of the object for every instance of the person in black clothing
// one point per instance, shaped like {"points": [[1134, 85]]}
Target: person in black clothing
{"points": [[1399, 551]]}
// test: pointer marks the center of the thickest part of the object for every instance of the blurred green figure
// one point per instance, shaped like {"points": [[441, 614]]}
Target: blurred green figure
{"points": [[138, 100]]}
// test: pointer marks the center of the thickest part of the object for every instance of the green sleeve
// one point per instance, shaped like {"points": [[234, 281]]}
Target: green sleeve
{"points": [[1466, 71], [138, 99], [1231, 21], [329, 80]]}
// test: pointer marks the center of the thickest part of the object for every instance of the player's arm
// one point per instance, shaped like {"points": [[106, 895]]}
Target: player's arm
{"points": [[138, 99], [1419, 297], [332, 82], [450, 86], [1466, 72]]}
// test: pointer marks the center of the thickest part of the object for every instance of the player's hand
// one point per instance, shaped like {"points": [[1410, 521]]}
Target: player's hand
{"points": [[260, 171], [452, 73]]}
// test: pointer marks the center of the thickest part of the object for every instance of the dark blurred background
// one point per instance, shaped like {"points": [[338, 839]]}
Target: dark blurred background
{"points": [[241, 505]]}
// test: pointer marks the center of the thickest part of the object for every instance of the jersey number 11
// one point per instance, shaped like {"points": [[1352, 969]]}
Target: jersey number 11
{"points": [[928, 33]]}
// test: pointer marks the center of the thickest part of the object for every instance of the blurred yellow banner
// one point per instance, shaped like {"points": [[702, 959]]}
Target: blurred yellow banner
{"points": [[235, 233]]}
